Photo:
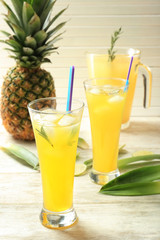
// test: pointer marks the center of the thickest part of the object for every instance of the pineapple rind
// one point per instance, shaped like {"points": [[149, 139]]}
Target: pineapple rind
{"points": [[18, 89]]}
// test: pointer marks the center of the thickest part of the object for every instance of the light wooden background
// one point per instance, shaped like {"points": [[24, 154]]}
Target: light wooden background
{"points": [[90, 25]]}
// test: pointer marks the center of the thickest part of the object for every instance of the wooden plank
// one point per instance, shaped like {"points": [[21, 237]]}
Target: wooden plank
{"points": [[108, 224]]}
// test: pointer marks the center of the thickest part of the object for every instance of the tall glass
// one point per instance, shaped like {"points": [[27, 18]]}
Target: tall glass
{"points": [[56, 133], [100, 67], [105, 99]]}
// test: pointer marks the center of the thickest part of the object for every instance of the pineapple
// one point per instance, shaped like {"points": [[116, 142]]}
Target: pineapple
{"points": [[31, 40]]}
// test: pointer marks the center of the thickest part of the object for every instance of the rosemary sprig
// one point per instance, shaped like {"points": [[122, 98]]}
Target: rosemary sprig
{"points": [[114, 38], [43, 134]]}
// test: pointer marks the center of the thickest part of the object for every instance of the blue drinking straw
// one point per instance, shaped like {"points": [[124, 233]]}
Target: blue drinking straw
{"points": [[70, 88], [127, 81]]}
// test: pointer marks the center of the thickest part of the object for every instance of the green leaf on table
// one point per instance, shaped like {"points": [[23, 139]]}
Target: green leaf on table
{"points": [[22, 153], [142, 153], [43, 134], [89, 163], [125, 183], [133, 189], [122, 149], [77, 155], [142, 160], [82, 143]]}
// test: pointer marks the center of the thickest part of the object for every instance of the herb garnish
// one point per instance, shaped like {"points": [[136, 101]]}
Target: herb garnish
{"points": [[43, 134], [114, 38]]}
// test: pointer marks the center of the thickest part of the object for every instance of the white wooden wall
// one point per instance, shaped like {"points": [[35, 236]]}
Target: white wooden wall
{"points": [[90, 25]]}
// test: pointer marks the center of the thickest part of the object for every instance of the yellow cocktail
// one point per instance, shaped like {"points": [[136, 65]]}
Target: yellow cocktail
{"points": [[100, 67], [56, 133], [106, 99]]}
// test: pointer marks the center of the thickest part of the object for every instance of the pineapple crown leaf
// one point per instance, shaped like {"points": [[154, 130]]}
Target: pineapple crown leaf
{"points": [[19, 32], [34, 24], [18, 4], [14, 44], [5, 33], [32, 36], [40, 5], [54, 18], [54, 30], [40, 37], [30, 42], [46, 13], [11, 16], [27, 14]]}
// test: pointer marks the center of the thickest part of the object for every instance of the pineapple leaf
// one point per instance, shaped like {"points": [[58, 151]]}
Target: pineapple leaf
{"points": [[25, 58], [49, 48], [28, 51], [19, 32], [14, 44], [56, 38], [51, 42], [54, 18], [40, 37], [21, 153], [14, 51], [30, 42], [40, 49], [54, 30], [46, 60], [8, 23], [45, 14], [12, 56], [11, 16], [18, 4], [34, 24], [27, 14], [5, 33], [40, 5], [48, 52]]}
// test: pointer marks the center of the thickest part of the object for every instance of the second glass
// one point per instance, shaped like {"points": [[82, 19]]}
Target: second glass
{"points": [[56, 132], [105, 99]]}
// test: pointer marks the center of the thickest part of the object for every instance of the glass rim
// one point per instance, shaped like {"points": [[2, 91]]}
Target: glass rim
{"points": [[89, 84], [97, 52], [54, 98]]}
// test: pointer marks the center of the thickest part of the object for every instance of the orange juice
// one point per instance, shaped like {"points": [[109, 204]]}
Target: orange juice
{"points": [[56, 133], [57, 160], [105, 99]]}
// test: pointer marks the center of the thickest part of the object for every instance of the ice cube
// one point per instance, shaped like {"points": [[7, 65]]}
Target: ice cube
{"points": [[66, 120], [110, 90], [96, 91], [116, 98], [36, 117]]}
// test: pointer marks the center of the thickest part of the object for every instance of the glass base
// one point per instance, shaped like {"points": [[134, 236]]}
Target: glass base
{"points": [[125, 125], [103, 178], [58, 220]]}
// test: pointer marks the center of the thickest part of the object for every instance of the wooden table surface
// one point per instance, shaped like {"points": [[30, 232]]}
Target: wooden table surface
{"points": [[101, 217]]}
